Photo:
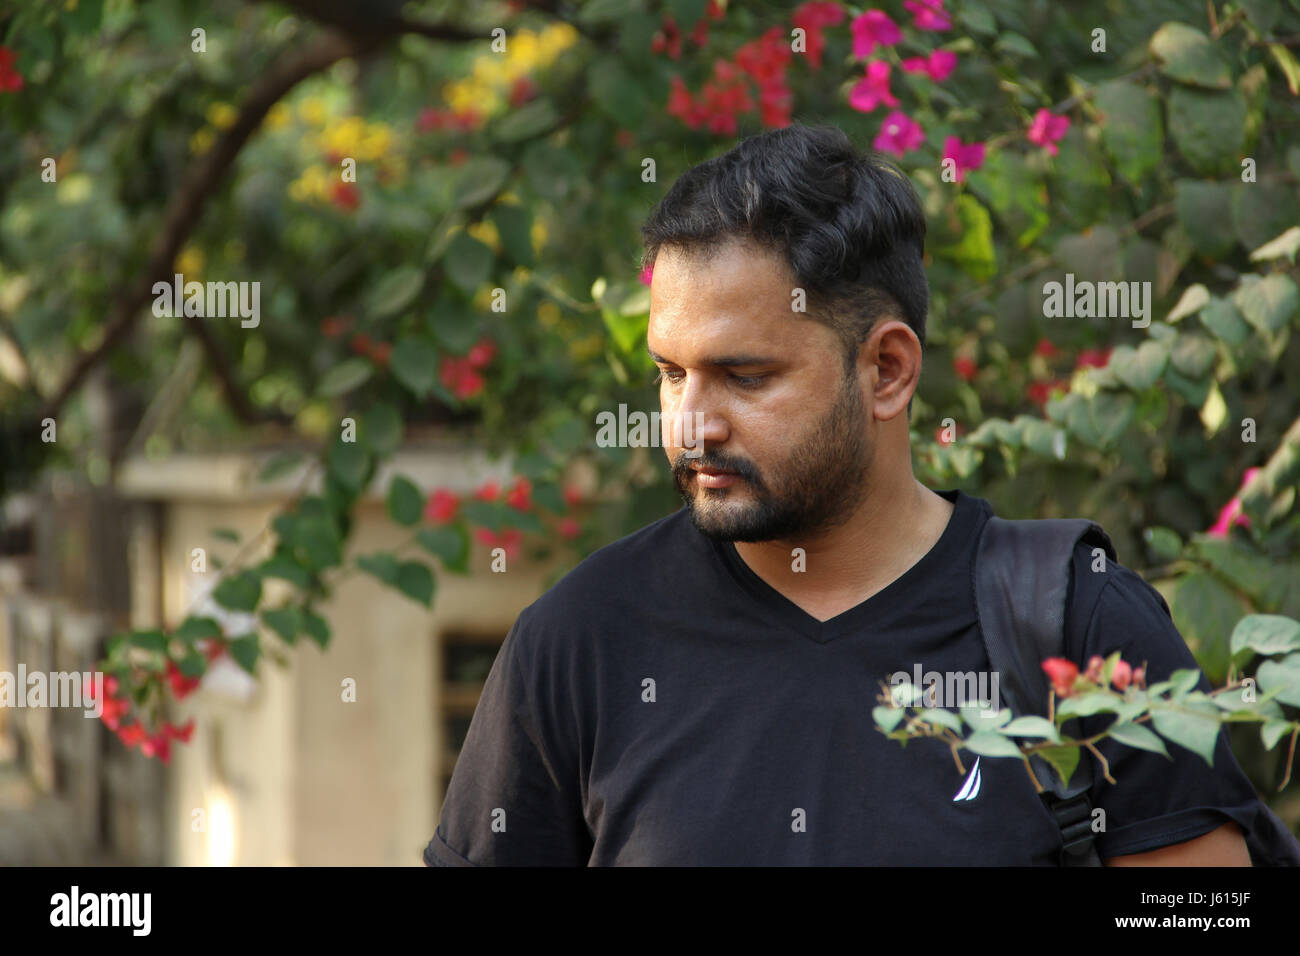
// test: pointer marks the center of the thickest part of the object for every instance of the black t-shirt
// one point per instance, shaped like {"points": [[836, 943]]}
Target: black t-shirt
{"points": [[663, 705]]}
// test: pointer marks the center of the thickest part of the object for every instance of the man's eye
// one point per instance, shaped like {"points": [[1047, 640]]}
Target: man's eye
{"points": [[748, 381], [667, 376]]}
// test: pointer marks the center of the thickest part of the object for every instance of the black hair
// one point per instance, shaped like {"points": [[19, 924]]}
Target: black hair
{"points": [[847, 221]]}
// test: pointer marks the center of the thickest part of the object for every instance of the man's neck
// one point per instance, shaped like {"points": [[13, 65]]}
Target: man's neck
{"points": [[888, 533]]}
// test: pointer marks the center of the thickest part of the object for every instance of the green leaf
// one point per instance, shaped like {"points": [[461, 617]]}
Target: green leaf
{"points": [[1205, 611], [988, 743], [1266, 634], [246, 650], [1193, 354], [278, 465], [381, 429], [285, 621], [973, 252], [192, 664], [887, 718], [1135, 735], [1273, 731], [1182, 681], [449, 543], [1062, 759], [1086, 705], [405, 502], [415, 364], [1031, 727], [1281, 679], [395, 291], [1197, 733], [1016, 45], [226, 534], [468, 262], [239, 592], [973, 714], [1139, 368], [1203, 208], [1261, 211], [381, 564], [1267, 303], [1189, 57], [1193, 299], [1290, 66], [1110, 414], [194, 628], [1222, 318], [479, 179], [1209, 129], [550, 170], [316, 628], [415, 580], [344, 377], [348, 463], [941, 717], [149, 640], [514, 225], [489, 514], [1287, 244], [1131, 128], [617, 93], [525, 122], [1165, 544]]}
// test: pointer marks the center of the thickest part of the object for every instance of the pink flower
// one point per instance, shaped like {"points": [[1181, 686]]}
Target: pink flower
{"points": [[1092, 358], [1046, 129], [1045, 347], [509, 539], [1232, 513], [1062, 673], [646, 275], [965, 157], [872, 89], [811, 18], [481, 353], [871, 29], [928, 14], [938, 66], [568, 528], [898, 134]]}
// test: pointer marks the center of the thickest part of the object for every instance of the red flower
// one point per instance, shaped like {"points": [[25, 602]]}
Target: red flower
{"points": [[1046, 348], [941, 438], [381, 353], [1140, 678], [482, 353], [10, 80], [568, 528], [213, 648], [360, 343], [346, 196], [1121, 675], [520, 496], [1093, 671], [182, 733], [488, 491], [458, 156], [811, 18], [522, 90], [965, 368], [1046, 129], [965, 157], [1062, 674], [157, 746], [335, 326], [441, 506], [460, 377], [509, 539], [625, 139], [572, 496], [1095, 358], [115, 708], [669, 38], [1041, 392], [181, 685], [132, 734]]}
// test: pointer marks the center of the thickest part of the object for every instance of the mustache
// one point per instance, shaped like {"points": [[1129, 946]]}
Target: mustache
{"points": [[682, 466]]}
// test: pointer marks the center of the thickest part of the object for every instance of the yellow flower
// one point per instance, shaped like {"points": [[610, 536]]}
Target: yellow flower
{"points": [[278, 116], [312, 110], [486, 233], [222, 115], [189, 262], [538, 235], [375, 142], [202, 140]]}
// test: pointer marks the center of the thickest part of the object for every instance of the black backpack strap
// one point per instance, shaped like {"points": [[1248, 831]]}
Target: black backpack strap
{"points": [[1022, 581]]}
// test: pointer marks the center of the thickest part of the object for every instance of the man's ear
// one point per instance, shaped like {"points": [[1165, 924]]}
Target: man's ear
{"points": [[895, 352]]}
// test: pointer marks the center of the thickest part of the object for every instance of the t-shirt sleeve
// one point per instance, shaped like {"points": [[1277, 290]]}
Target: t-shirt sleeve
{"points": [[514, 798], [1155, 802]]}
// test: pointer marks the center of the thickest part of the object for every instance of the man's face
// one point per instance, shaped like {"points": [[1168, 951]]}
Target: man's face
{"points": [[782, 449]]}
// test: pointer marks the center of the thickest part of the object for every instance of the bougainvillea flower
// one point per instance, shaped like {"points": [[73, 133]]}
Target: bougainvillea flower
{"points": [[1046, 129], [872, 29], [965, 156], [873, 89], [928, 14], [898, 134]]}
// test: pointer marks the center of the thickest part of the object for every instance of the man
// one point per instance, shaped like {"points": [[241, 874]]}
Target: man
{"points": [[700, 692]]}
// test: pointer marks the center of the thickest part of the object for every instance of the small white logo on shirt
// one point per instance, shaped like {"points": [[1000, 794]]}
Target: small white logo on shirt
{"points": [[971, 788]]}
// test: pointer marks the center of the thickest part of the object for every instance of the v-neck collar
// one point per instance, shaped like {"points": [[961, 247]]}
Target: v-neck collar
{"points": [[910, 585]]}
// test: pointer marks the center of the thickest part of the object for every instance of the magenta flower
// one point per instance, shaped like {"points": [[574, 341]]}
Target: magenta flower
{"points": [[1232, 512], [871, 29], [965, 157], [872, 89], [646, 275], [1047, 129], [898, 134], [938, 66], [928, 14]]}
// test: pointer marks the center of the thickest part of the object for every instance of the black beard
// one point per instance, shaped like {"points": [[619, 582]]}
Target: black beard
{"points": [[816, 488]]}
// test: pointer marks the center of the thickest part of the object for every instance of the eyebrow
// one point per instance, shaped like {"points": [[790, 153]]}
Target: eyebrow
{"points": [[721, 361]]}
